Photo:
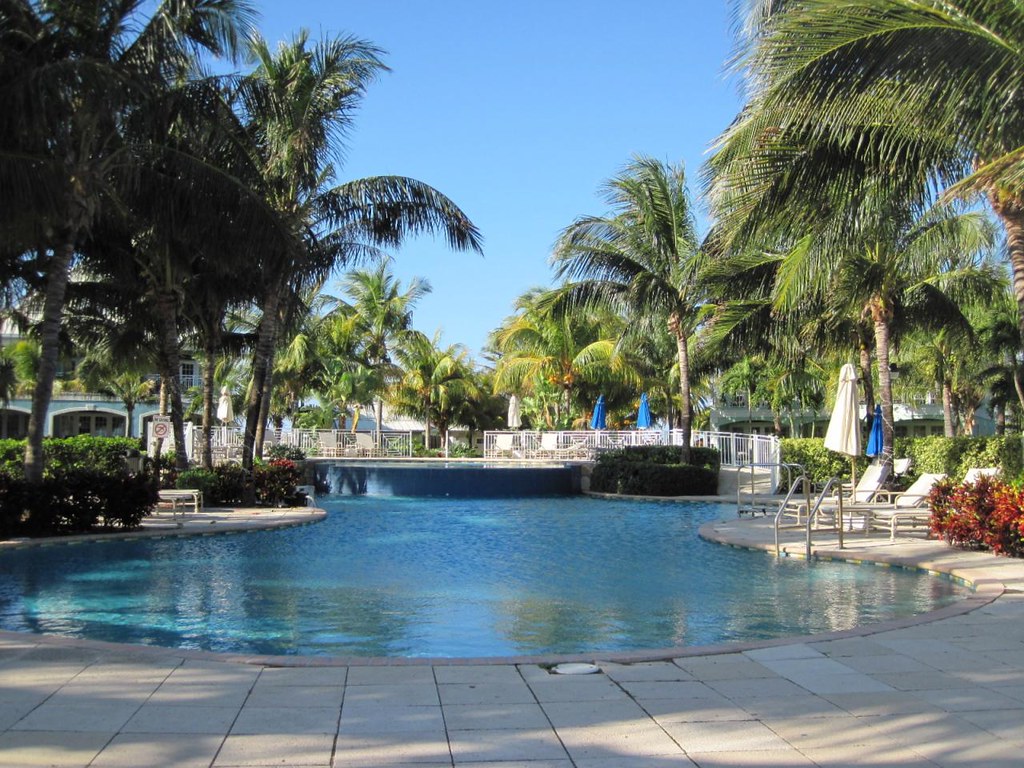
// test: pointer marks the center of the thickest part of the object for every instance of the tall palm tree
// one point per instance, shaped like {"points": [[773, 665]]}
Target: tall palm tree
{"points": [[926, 92], [71, 75], [435, 381], [564, 354], [645, 258], [380, 312], [298, 104]]}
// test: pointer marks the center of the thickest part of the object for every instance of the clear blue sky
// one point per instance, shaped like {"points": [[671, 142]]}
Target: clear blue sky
{"points": [[518, 112]]}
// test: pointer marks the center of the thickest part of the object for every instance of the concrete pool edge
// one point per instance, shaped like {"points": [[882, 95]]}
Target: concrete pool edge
{"points": [[983, 571]]}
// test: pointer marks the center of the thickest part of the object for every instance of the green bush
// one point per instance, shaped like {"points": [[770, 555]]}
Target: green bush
{"points": [[655, 471], [204, 480], [281, 451], [952, 456], [229, 487], [276, 481], [104, 454], [74, 502]]}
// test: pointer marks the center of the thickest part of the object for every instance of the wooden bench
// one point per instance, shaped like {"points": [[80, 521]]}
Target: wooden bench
{"points": [[182, 497]]}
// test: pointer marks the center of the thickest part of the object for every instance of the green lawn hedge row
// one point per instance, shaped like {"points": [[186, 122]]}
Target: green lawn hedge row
{"points": [[952, 456], [86, 485], [656, 471]]}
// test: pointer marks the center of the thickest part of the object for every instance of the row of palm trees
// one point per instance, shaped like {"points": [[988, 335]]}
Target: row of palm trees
{"points": [[151, 198], [846, 201]]}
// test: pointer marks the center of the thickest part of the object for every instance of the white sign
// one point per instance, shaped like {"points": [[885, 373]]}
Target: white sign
{"points": [[161, 427]]}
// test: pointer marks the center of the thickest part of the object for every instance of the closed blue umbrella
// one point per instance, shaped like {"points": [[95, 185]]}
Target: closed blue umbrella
{"points": [[597, 421], [643, 414], [875, 438]]}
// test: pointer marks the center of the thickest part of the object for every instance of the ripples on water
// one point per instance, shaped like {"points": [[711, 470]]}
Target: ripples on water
{"points": [[427, 577]]}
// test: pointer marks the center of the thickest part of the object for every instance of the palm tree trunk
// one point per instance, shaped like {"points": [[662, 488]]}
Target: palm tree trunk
{"points": [[167, 311], [268, 391], [884, 382], [1010, 211], [53, 308], [686, 409], [867, 381], [262, 356], [208, 390], [948, 428]]}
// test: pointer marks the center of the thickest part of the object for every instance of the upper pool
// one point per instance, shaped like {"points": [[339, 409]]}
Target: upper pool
{"points": [[406, 577]]}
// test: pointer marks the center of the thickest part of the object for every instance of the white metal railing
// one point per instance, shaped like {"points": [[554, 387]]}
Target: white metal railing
{"points": [[226, 442], [735, 449]]}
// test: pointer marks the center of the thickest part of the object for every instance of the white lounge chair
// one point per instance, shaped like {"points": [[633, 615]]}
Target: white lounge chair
{"points": [[869, 484], [974, 474], [328, 439], [907, 506], [363, 444], [504, 445]]}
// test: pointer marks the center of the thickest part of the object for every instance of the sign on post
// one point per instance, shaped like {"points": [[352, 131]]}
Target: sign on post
{"points": [[161, 427]]}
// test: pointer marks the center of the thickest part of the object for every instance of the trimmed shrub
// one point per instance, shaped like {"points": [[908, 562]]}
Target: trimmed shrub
{"points": [[280, 451], [204, 480], [656, 471], [952, 456], [74, 502], [104, 454], [276, 481], [229, 485]]}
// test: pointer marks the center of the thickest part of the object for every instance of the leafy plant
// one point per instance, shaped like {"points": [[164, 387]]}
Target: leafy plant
{"points": [[276, 480]]}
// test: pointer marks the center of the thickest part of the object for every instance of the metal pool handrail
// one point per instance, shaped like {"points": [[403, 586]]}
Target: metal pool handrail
{"points": [[774, 465]]}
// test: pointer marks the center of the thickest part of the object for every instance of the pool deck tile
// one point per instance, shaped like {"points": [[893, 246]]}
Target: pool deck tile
{"points": [[944, 690]]}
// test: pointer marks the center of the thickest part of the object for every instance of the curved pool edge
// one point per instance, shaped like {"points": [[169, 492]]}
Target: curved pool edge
{"points": [[986, 574]]}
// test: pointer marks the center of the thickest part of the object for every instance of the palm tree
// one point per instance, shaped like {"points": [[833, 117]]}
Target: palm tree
{"points": [[380, 312], [72, 76], [644, 259], [924, 93], [435, 381], [298, 104], [556, 355]]}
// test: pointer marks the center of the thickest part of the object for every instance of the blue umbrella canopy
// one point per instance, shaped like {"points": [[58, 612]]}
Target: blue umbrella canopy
{"points": [[643, 414], [875, 438], [598, 419]]}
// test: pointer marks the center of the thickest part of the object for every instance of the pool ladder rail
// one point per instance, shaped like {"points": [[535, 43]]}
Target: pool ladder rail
{"points": [[807, 516]]}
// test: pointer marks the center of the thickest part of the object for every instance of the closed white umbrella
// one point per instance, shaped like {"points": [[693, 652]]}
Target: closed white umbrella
{"points": [[225, 410], [515, 420], [843, 435]]}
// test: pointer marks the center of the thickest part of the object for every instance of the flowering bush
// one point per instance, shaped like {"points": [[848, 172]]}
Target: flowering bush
{"points": [[988, 514], [276, 480]]}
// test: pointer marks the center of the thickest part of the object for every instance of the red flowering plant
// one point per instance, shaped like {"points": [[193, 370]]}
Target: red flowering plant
{"points": [[987, 514], [276, 480]]}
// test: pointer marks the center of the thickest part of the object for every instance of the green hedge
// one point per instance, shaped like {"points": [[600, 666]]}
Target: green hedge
{"points": [[952, 456], [60, 454], [656, 471], [74, 502]]}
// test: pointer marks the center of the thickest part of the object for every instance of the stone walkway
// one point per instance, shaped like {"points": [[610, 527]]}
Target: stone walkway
{"points": [[942, 692]]}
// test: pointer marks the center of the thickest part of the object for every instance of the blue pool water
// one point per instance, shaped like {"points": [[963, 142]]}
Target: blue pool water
{"points": [[451, 577]]}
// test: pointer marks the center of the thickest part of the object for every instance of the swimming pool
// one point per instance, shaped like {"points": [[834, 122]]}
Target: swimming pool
{"points": [[406, 577]]}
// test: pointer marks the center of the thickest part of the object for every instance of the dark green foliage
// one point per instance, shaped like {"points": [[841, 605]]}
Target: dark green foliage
{"points": [[290, 452], [74, 502], [204, 480], [950, 455], [104, 454], [276, 481], [229, 486], [655, 471]]}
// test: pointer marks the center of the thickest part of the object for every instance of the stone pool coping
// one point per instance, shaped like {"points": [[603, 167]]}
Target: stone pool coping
{"points": [[989, 576]]}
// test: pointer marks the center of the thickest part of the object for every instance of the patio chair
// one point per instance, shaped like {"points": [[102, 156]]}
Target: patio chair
{"points": [[869, 484], [893, 508], [364, 445], [504, 445], [328, 439], [974, 474]]}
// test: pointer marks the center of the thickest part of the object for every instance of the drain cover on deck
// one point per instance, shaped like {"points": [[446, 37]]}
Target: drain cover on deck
{"points": [[575, 668]]}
